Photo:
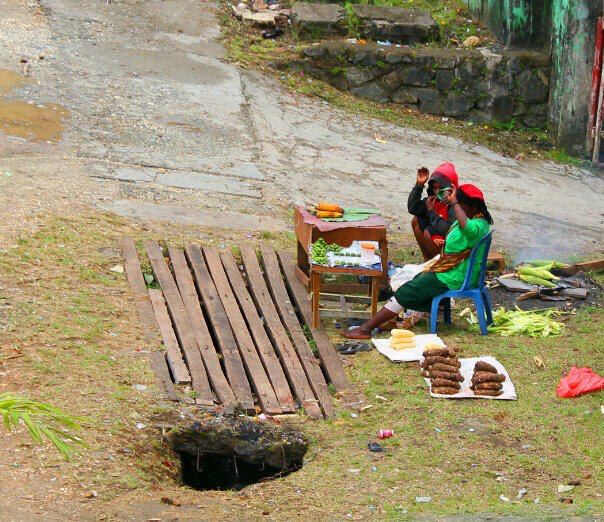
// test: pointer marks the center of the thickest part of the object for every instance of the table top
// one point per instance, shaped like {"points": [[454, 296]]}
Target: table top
{"points": [[327, 226]]}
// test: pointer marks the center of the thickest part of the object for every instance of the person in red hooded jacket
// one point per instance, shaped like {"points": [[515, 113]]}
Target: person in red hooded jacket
{"points": [[433, 217]]}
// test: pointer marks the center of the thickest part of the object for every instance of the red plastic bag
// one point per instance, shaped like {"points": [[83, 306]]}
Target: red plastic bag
{"points": [[578, 382]]}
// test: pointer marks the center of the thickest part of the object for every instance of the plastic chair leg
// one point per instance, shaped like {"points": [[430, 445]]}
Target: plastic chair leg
{"points": [[434, 315], [480, 312], [488, 305], [447, 310]]}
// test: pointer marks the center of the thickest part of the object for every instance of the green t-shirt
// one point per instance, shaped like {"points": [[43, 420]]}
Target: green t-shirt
{"points": [[458, 240]]}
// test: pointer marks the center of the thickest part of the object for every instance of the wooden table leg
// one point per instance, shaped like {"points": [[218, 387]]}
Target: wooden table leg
{"points": [[303, 266], [375, 287], [315, 281]]}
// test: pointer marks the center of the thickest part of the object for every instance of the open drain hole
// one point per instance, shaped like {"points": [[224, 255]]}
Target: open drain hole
{"points": [[226, 472], [223, 453]]}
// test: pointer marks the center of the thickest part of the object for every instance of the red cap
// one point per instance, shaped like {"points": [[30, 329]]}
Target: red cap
{"points": [[472, 191], [447, 171]]}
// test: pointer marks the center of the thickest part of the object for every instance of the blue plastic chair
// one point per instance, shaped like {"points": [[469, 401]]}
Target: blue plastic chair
{"points": [[480, 293]]}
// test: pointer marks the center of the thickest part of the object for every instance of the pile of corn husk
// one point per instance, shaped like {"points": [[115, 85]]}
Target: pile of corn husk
{"points": [[535, 323]]}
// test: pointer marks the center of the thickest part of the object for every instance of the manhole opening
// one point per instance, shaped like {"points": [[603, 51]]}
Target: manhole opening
{"points": [[230, 453], [215, 471]]}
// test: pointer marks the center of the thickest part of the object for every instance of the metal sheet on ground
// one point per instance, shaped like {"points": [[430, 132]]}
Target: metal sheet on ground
{"points": [[332, 366], [182, 325], [265, 348], [288, 315], [132, 267], [189, 296], [221, 327], [173, 353], [255, 370], [283, 346]]}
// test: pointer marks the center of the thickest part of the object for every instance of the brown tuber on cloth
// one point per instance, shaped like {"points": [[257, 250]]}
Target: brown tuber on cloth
{"points": [[452, 376], [443, 352], [487, 386], [444, 368], [445, 391], [479, 377], [442, 360], [445, 383], [482, 366], [490, 393]]}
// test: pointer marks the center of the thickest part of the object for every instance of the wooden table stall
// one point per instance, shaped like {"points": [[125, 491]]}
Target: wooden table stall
{"points": [[309, 229]]}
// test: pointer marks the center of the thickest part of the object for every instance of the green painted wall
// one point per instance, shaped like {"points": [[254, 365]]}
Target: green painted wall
{"points": [[564, 28], [515, 23], [572, 48]]}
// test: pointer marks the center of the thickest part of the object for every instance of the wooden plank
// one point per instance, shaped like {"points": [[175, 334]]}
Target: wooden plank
{"points": [[162, 375], [132, 267], [182, 325], [258, 378], [342, 270], [219, 322], [344, 288], [278, 335], [265, 348], [578, 293], [330, 361], [362, 299], [348, 314], [210, 359], [311, 364], [173, 354]]}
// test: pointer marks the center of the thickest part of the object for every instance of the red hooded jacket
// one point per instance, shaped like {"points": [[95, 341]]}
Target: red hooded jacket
{"points": [[446, 176], [442, 217]]}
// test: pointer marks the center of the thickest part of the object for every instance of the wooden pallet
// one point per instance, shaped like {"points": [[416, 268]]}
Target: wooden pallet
{"points": [[237, 337]]}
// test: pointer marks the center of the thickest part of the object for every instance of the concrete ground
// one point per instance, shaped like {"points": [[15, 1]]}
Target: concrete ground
{"points": [[150, 122]]}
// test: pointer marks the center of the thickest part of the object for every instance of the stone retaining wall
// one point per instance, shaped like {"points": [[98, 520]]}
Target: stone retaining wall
{"points": [[469, 84]]}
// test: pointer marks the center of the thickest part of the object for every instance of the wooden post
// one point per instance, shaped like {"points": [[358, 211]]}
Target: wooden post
{"points": [[315, 281]]}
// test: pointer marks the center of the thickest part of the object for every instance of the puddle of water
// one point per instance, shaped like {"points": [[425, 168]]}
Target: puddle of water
{"points": [[28, 121], [10, 80]]}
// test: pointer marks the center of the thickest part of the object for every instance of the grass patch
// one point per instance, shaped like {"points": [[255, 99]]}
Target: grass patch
{"points": [[76, 324], [561, 156], [537, 442]]}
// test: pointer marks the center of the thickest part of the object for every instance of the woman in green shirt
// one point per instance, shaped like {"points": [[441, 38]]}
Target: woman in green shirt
{"points": [[473, 222]]}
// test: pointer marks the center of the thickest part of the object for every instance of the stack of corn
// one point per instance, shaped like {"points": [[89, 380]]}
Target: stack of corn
{"points": [[537, 276], [402, 339], [441, 365]]}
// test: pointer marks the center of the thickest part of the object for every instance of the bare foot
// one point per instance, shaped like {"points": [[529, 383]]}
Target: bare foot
{"points": [[357, 333]]}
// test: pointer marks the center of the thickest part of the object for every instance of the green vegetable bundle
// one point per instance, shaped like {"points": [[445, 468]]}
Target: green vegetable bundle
{"points": [[536, 323], [319, 250]]}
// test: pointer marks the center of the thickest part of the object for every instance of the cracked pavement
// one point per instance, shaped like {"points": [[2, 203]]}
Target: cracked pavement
{"points": [[160, 127]]}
